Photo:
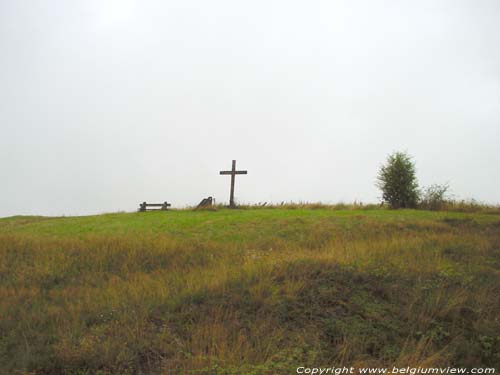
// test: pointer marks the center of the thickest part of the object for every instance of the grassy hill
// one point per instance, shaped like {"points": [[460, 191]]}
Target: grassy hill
{"points": [[256, 291]]}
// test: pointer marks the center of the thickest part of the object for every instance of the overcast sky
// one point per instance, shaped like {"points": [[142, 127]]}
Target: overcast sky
{"points": [[108, 103]]}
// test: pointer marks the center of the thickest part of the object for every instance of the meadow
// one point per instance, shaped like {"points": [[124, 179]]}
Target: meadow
{"points": [[249, 291]]}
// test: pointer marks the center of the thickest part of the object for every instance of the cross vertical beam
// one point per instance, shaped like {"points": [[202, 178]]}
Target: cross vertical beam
{"points": [[233, 172], [233, 175]]}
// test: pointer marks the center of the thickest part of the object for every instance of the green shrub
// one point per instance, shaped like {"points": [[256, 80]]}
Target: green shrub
{"points": [[398, 181], [434, 197]]}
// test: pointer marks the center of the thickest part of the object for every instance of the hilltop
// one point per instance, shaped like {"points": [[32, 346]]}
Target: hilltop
{"points": [[249, 291]]}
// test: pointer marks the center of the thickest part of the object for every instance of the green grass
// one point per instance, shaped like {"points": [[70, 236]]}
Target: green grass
{"points": [[250, 291]]}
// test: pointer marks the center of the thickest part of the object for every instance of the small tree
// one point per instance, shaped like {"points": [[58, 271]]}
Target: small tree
{"points": [[398, 181]]}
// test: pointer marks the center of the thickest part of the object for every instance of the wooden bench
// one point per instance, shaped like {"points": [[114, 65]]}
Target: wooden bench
{"points": [[162, 206]]}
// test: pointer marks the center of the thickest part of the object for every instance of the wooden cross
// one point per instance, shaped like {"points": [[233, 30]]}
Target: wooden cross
{"points": [[233, 172]]}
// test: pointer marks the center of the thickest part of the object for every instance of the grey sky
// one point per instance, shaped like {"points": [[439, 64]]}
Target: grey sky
{"points": [[106, 103]]}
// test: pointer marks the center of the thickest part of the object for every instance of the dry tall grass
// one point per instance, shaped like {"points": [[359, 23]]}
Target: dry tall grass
{"points": [[403, 291]]}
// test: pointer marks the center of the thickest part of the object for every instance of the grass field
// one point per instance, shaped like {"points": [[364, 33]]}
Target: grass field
{"points": [[251, 291]]}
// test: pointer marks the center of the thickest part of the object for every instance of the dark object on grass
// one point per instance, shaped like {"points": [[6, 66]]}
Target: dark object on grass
{"points": [[206, 202], [143, 207]]}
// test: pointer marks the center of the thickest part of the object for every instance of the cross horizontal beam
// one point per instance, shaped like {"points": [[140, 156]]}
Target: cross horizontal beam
{"points": [[231, 172]]}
